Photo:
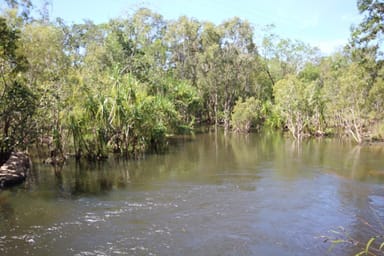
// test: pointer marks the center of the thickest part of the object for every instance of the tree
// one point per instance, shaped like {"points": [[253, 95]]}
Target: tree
{"points": [[17, 101], [369, 33], [247, 114], [347, 100], [43, 46], [183, 37], [227, 67], [297, 102], [211, 37], [22, 6]]}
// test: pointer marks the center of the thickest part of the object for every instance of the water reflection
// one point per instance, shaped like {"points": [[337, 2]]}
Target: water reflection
{"points": [[7, 212], [261, 194], [216, 153]]}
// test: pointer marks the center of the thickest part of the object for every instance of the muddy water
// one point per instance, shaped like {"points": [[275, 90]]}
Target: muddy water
{"points": [[210, 195]]}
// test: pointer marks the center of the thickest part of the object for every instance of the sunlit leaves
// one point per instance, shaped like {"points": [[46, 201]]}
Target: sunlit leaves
{"points": [[292, 100], [247, 114]]}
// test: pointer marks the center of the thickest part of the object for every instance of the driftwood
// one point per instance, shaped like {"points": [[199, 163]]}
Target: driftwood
{"points": [[14, 170]]}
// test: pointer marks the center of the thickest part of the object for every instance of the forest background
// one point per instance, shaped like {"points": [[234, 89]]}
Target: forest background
{"points": [[126, 85]]}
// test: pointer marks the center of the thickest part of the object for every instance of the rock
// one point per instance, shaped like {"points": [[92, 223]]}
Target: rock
{"points": [[14, 170]]}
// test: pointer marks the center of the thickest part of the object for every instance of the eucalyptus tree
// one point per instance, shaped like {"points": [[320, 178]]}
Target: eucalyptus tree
{"points": [[226, 66], [376, 96], [78, 38], [366, 43], [43, 45], [348, 102], [208, 73], [267, 52], [238, 41], [290, 57], [23, 7], [376, 99], [237, 62], [352, 99], [148, 29], [370, 32], [293, 99], [183, 38], [135, 44], [17, 101], [247, 114]]}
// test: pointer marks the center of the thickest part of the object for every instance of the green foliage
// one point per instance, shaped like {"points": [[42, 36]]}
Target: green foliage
{"points": [[127, 119], [247, 114], [17, 101], [16, 111], [126, 85], [11, 60], [347, 101], [24, 6], [48, 75], [186, 101], [309, 73], [295, 102], [273, 118], [376, 99], [369, 33]]}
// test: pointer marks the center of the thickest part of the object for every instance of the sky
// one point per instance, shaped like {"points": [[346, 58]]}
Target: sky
{"points": [[322, 23]]}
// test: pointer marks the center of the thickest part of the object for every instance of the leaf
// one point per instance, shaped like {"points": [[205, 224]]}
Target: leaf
{"points": [[338, 241], [369, 244], [360, 253], [381, 246]]}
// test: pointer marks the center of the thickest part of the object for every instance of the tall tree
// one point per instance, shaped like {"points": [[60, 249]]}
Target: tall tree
{"points": [[370, 32], [183, 37], [22, 6], [296, 103], [48, 75], [17, 101]]}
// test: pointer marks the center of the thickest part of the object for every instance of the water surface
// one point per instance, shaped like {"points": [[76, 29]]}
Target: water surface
{"points": [[260, 194]]}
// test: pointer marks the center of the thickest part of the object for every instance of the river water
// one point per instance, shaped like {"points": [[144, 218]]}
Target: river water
{"points": [[211, 194]]}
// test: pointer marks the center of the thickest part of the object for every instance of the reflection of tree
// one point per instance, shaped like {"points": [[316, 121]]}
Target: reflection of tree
{"points": [[356, 162], [352, 160], [7, 212], [213, 153], [124, 178], [288, 159], [92, 178]]}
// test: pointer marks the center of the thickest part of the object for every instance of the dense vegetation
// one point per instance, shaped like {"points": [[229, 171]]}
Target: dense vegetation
{"points": [[125, 85]]}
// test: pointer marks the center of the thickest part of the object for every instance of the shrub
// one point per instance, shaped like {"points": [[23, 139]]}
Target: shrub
{"points": [[246, 114]]}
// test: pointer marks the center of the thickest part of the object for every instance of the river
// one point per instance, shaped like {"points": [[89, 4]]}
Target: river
{"points": [[260, 194]]}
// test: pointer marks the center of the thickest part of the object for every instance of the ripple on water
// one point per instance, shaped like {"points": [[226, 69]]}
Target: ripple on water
{"points": [[92, 218], [377, 204]]}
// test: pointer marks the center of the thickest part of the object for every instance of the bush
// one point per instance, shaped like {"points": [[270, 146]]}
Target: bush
{"points": [[246, 114]]}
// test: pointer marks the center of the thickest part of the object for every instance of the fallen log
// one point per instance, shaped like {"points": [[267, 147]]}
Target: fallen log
{"points": [[14, 170]]}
